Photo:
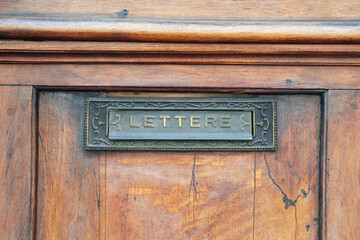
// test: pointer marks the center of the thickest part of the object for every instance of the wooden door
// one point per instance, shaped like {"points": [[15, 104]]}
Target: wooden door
{"points": [[177, 195]]}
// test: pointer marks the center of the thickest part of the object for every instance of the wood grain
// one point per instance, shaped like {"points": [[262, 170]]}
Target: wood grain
{"points": [[178, 53], [198, 77], [288, 179], [68, 177], [186, 9], [15, 162], [343, 191], [172, 195], [179, 195], [180, 58], [150, 30], [18, 46]]}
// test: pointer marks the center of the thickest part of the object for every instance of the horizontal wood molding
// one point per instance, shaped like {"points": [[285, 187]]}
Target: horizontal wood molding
{"points": [[150, 30], [230, 78], [186, 60], [17, 51], [183, 48]]}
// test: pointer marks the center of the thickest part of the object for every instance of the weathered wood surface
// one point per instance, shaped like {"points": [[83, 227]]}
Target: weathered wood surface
{"points": [[232, 77], [15, 162], [288, 179], [206, 9], [343, 169], [179, 195], [182, 76], [155, 30], [159, 195], [68, 177]]}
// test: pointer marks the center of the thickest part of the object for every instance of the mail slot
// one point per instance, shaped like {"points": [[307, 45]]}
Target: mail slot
{"points": [[181, 124]]}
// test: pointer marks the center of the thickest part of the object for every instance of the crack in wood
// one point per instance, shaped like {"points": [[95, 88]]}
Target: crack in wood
{"points": [[193, 185], [288, 202]]}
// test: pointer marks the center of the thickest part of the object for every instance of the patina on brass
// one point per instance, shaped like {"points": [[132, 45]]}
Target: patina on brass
{"points": [[175, 124]]}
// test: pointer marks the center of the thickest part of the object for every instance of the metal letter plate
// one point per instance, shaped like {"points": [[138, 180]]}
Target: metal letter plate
{"points": [[180, 124]]}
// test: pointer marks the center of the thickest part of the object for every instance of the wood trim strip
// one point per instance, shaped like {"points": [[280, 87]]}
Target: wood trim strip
{"points": [[323, 165], [150, 30], [230, 78], [178, 53], [34, 164], [181, 59], [17, 46]]}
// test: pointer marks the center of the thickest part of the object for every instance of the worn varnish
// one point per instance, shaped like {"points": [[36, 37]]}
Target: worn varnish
{"points": [[15, 162], [68, 177], [197, 77], [288, 179], [157, 30], [170, 195], [179, 195], [343, 207], [50, 188]]}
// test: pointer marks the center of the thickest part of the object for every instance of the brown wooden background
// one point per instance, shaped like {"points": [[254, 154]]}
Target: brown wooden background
{"points": [[319, 56]]}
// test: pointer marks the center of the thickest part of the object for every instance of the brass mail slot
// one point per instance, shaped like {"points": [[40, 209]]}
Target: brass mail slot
{"points": [[172, 124], [179, 125]]}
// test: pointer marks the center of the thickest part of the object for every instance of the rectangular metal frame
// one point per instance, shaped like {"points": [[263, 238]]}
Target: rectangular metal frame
{"points": [[264, 123]]}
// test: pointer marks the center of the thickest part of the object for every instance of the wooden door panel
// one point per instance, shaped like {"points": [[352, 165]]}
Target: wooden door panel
{"points": [[16, 162], [288, 193], [68, 176], [343, 178], [179, 195], [172, 195]]}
